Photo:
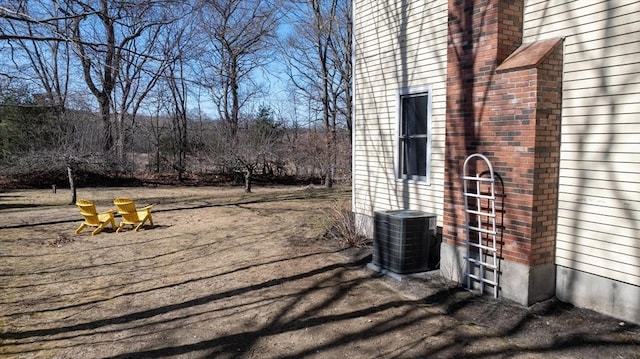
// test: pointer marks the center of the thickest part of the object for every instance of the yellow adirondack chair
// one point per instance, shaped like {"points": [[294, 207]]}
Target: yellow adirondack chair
{"points": [[131, 215], [92, 218]]}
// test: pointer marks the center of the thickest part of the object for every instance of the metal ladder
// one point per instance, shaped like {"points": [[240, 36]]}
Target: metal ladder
{"points": [[480, 225]]}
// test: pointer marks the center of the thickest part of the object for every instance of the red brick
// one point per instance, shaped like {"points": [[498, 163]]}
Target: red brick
{"points": [[514, 115]]}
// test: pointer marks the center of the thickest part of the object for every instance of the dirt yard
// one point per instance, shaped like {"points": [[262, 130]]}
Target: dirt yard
{"points": [[224, 274]]}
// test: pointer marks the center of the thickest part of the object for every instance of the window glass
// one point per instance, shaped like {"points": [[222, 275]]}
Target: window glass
{"points": [[414, 136]]}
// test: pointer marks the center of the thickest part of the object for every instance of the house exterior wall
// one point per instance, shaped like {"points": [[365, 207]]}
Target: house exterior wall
{"points": [[598, 187], [598, 233], [504, 101], [398, 45]]}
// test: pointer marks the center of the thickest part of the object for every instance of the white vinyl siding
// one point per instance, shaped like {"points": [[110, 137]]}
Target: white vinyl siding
{"points": [[398, 45], [599, 200]]}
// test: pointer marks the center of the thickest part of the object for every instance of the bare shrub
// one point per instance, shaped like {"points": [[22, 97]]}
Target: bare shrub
{"points": [[340, 226]]}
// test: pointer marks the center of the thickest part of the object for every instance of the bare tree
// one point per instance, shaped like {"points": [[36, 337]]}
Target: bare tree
{"points": [[128, 57], [341, 59], [44, 63], [256, 142], [319, 66], [239, 39], [178, 89], [146, 60], [115, 43], [156, 128]]}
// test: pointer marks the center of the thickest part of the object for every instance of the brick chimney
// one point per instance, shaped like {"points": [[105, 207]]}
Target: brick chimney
{"points": [[503, 101]]}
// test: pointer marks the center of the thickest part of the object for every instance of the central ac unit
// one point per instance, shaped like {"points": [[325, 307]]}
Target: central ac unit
{"points": [[402, 240]]}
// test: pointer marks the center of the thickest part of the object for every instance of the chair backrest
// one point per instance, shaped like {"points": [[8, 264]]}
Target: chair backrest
{"points": [[88, 211], [127, 209]]}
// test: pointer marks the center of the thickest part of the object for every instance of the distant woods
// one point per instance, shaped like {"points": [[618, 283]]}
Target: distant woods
{"points": [[149, 89]]}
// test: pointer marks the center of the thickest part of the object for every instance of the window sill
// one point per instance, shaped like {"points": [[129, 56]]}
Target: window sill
{"points": [[421, 182]]}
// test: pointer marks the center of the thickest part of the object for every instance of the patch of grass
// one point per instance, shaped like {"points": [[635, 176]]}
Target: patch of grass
{"points": [[340, 226]]}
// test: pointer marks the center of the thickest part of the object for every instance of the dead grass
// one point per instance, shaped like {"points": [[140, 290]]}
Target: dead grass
{"points": [[226, 274], [340, 226]]}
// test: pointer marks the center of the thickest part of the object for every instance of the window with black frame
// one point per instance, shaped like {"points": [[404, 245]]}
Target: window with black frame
{"points": [[414, 136]]}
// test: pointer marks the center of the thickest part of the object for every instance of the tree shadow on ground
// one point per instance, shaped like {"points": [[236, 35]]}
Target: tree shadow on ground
{"points": [[191, 298], [4, 206], [557, 327]]}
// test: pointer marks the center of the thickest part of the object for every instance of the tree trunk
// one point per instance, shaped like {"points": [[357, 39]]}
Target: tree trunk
{"points": [[330, 154], [72, 184], [157, 158], [182, 150], [119, 140], [247, 180], [235, 99], [105, 114]]}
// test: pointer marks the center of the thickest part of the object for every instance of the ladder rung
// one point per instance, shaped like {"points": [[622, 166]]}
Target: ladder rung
{"points": [[481, 246], [484, 280], [476, 178], [481, 230], [486, 214], [475, 195], [483, 264]]}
